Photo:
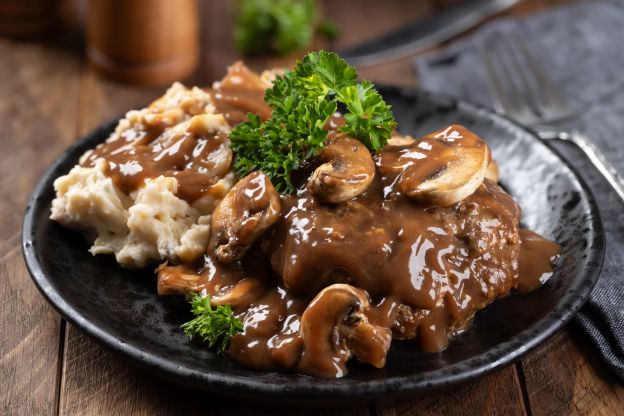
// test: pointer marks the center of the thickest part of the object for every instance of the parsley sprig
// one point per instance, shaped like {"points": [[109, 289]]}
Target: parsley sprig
{"points": [[303, 100], [214, 326]]}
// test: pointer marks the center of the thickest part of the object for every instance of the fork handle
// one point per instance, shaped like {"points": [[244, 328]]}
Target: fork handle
{"points": [[597, 159]]}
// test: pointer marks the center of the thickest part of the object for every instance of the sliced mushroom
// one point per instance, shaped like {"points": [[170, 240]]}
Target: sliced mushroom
{"points": [[178, 280], [212, 153], [441, 169], [491, 172], [347, 172], [462, 169], [241, 295], [334, 328], [399, 140], [248, 209], [238, 284]]}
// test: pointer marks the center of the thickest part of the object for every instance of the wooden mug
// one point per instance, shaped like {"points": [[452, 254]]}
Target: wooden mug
{"points": [[150, 42]]}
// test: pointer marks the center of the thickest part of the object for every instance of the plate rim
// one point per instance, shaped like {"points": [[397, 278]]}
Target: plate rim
{"points": [[388, 387]]}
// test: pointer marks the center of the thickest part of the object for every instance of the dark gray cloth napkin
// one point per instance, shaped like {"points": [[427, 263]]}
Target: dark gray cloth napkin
{"points": [[581, 46]]}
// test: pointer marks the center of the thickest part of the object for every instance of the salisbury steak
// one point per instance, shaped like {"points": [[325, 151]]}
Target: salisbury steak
{"points": [[427, 269]]}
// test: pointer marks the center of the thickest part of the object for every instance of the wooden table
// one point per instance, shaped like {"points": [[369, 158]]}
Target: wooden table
{"points": [[50, 97]]}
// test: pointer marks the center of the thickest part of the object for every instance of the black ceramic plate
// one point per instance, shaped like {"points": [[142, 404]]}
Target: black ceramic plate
{"points": [[121, 310]]}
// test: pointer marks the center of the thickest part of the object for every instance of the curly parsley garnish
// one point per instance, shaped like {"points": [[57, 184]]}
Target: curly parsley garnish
{"points": [[214, 326], [303, 100]]}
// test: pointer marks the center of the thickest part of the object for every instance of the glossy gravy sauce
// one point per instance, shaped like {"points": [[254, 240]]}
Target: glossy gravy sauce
{"points": [[427, 269], [537, 255], [239, 93], [195, 157], [424, 270]]}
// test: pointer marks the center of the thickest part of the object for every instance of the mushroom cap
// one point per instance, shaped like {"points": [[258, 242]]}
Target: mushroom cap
{"points": [[440, 169], [491, 172], [400, 140], [347, 173], [459, 179], [248, 209], [334, 327]]}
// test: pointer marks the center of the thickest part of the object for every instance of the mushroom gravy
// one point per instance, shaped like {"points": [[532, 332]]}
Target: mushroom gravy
{"points": [[315, 281], [424, 272]]}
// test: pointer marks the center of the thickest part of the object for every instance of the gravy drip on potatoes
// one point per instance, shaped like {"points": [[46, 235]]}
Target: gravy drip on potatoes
{"points": [[189, 151], [195, 159]]}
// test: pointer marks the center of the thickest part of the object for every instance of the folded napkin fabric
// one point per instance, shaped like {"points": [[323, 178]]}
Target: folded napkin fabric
{"points": [[580, 45]]}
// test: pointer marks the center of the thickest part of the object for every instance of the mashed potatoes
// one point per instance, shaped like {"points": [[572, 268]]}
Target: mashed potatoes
{"points": [[150, 223]]}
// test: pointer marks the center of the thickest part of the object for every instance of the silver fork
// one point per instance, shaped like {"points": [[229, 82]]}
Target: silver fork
{"points": [[519, 88]]}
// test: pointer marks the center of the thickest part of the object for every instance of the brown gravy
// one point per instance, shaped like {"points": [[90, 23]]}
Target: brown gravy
{"points": [[428, 259], [186, 156], [192, 154], [426, 270], [537, 256], [239, 93]]}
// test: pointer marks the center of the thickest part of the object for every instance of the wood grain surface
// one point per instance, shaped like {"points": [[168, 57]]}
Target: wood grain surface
{"points": [[50, 97]]}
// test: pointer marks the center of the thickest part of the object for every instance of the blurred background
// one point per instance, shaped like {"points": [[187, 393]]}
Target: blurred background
{"points": [[154, 42]]}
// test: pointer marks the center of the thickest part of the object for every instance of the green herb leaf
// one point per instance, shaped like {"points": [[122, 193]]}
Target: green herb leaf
{"points": [[369, 118], [325, 69], [214, 326], [274, 25], [303, 100]]}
